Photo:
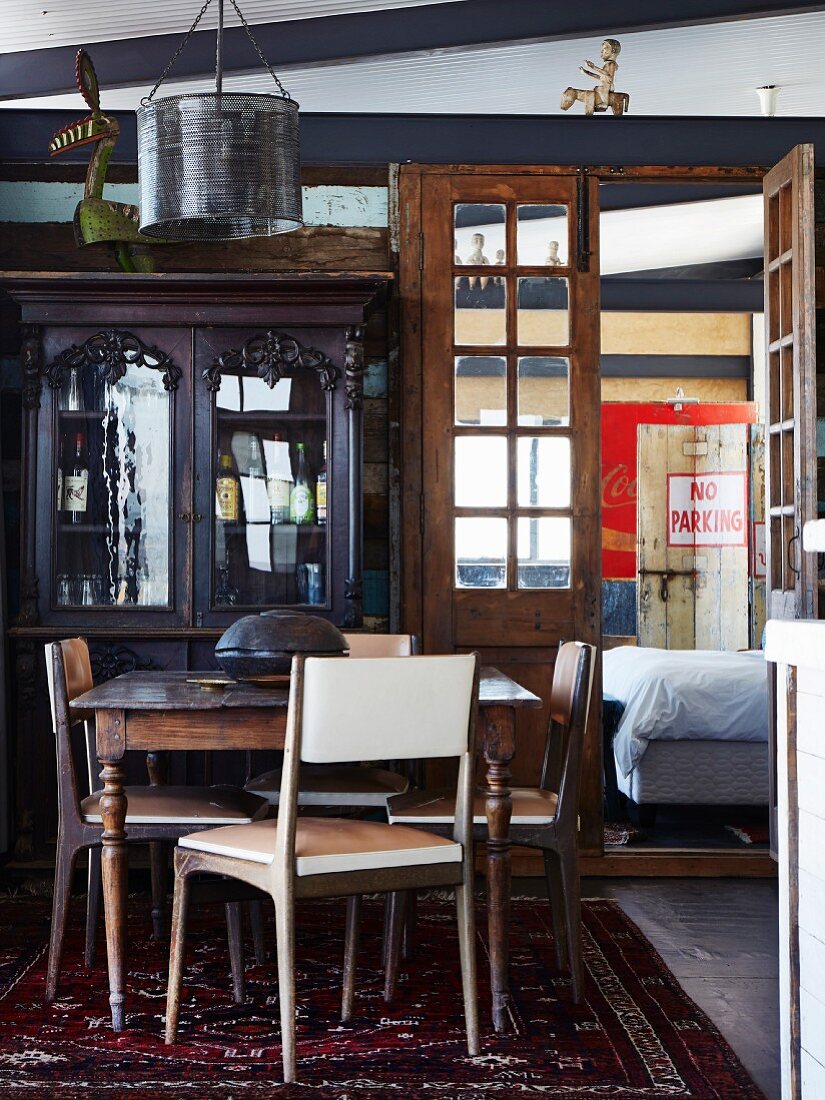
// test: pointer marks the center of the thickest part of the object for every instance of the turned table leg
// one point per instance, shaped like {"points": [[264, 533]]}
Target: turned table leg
{"points": [[114, 860], [499, 746], [157, 764]]}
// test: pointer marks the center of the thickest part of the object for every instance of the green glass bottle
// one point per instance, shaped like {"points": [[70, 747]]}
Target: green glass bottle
{"points": [[302, 497]]}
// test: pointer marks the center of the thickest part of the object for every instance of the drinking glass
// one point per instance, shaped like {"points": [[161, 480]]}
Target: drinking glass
{"points": [[89, 589], [64, 590]]}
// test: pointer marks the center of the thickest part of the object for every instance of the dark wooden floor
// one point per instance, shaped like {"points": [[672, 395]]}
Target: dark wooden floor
{"points": [[719, 938]]}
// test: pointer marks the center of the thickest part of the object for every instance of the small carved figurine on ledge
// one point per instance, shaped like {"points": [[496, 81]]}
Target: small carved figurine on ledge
{"points": [[553, 259], [602, 97]]}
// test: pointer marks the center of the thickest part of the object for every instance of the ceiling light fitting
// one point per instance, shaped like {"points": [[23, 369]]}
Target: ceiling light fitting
{"points": [[767, 99], [222, 165]]}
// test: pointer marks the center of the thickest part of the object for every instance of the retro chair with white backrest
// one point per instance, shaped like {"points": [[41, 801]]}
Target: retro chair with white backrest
{"points": [[544, 817], [361, 708], [347, 785], [154, 813]]}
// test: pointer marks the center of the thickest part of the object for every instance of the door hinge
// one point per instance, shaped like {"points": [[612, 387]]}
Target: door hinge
{"points": [[198, 618], [420, 251]]}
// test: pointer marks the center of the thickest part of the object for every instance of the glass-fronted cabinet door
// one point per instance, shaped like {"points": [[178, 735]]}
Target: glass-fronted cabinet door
{"points": [[119, 434], [271, 472]]}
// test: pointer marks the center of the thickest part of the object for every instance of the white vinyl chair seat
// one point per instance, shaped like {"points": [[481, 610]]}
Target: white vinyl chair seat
{"points": [[334, 785], [531, 806], [183, 806], [325, 845]]}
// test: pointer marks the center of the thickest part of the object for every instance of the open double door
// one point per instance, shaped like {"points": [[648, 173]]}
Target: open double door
{"points": [[500, 414]]}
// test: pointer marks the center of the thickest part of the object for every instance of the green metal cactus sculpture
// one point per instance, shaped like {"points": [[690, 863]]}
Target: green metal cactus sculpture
{"points": [[98, 220]]}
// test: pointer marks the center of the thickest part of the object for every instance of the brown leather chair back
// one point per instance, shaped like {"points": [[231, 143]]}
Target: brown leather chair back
{"points": [[563, 690], [569, 708], [69, 674], [78, 673]]}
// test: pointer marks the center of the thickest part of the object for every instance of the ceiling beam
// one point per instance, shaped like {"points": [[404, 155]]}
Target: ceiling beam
{"points": [[517, 139], [682, 295], [298, 42]]}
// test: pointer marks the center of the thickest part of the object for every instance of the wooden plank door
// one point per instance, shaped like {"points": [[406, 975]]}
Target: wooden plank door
{"points": [[693, 536], [790, 415], [509, 492], [758, 553], [665, 608]]}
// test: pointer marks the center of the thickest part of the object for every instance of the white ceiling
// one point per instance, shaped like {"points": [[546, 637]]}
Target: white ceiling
{"points": [[35, 24], [702, 70], [680, 234]]}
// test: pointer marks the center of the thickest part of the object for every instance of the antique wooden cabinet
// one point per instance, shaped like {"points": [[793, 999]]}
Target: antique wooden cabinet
{"points": [[177, 431]]}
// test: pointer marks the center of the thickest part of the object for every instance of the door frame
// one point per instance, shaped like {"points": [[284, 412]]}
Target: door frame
{"points": [[406, 459]]}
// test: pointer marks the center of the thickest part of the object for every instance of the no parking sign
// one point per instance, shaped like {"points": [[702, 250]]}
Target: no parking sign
{"points": [[707, 509]]}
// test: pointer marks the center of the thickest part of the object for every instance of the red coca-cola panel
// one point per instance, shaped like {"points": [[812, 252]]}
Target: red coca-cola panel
{"points": [[619, 473]]}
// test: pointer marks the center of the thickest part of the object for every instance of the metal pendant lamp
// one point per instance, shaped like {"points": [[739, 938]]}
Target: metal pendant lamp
{"points": [[222, 165]]}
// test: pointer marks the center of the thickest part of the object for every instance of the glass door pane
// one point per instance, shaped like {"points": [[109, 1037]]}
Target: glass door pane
{"points": [[270, 502], [112, 489]]}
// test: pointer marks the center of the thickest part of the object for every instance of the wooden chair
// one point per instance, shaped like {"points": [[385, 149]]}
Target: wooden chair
{"points": [[404, 707], [155, 814], [347, 785], [544, 817]]}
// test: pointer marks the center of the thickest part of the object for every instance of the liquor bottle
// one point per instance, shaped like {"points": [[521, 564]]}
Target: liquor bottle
{"points": [[302, 498], [227, 491], [75, 398], [60, 477], [76, 482], [321, 490], [70, 398], [278, 485], [255, 467], [255, 500]]}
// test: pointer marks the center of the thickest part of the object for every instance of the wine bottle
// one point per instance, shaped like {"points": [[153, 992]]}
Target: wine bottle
{"points": [[321, 490], [302, 498], [227, 491], [76, 482], [278, 485]]}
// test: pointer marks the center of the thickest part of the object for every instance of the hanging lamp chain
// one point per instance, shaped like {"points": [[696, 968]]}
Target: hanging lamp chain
{"points": [[190, 32], [259, 51], [177, 53]]}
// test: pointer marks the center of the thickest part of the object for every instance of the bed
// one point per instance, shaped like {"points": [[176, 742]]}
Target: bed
{"points": [[694, 725]]}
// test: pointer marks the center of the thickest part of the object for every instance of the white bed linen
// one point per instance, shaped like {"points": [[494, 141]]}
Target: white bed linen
{"points": [[676, 695]]}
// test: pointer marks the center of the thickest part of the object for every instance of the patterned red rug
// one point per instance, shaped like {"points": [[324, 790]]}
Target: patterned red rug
{"points": [[638, 1035], [755, 833]]}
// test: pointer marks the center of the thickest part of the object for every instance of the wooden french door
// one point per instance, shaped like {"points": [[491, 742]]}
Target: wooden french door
{"points": [[790, 322], [791, 586], [503, 324]]}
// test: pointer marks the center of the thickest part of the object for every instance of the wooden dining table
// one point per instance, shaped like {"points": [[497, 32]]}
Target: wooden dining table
{"points": [[160, 711]]}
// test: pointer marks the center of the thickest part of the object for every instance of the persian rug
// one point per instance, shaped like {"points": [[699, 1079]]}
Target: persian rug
{"points": [[616, 835], [636, 1035], [756, 833]]}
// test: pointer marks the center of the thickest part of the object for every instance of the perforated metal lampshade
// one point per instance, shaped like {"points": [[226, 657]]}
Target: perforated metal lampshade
{"points": [[216, 166]]}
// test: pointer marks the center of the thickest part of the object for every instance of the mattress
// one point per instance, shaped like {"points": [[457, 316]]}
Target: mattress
{"points": [[710, 773], [702, 695]]}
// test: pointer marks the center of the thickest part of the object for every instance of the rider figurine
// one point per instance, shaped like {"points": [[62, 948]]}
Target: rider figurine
{"points": [[602, 97]]}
